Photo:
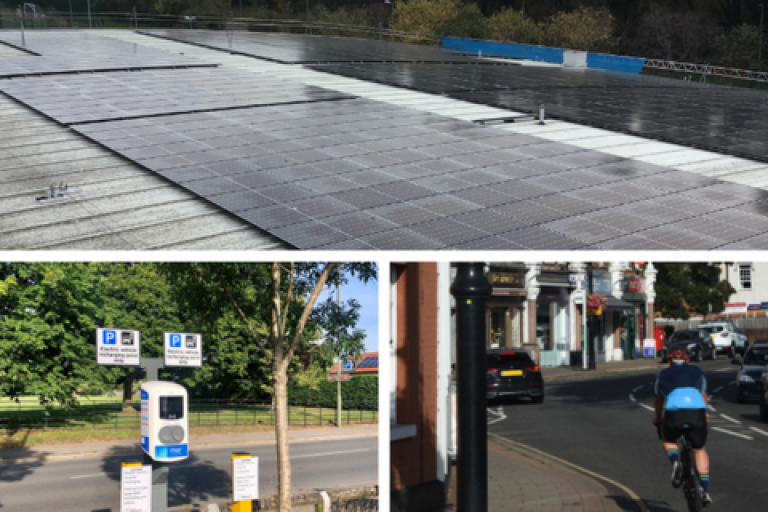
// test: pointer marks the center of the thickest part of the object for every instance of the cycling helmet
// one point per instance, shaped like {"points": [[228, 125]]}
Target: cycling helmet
{"points": [[678, 355]]}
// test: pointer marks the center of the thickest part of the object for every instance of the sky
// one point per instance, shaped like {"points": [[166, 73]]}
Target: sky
{"points": [[368, 296]]}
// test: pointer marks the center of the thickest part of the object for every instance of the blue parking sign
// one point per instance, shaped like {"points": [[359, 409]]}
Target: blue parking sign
{"points": [[109, 337], [176, 340]]}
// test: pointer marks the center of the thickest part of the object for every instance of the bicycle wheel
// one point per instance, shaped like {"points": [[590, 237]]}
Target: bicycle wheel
{"points": [[691, 478]]}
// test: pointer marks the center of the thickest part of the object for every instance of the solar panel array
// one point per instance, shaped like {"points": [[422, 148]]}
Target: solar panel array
{"points": [[369, 362], [307, 49], [359, 174], [56, 52], [82, 98], [725, 119]]}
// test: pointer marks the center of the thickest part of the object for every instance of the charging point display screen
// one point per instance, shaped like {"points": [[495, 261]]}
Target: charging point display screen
{"points": [[171, 407]]}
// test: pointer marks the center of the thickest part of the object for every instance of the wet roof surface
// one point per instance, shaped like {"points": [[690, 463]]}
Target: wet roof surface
{"points": [[726, 119], [57, 52], [306, 49]]}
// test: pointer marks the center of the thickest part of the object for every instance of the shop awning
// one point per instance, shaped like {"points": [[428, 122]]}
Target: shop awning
{"points": [[614, 303]]}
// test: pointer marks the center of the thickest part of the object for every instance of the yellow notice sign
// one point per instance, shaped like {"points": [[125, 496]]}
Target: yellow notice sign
{"points": [[245, 481]]}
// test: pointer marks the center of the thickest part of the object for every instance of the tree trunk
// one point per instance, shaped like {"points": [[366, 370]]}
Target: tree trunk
{"points": [[128, 394], [281, 428]]}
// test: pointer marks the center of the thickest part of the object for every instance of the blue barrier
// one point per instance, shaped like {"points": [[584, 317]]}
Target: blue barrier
{"points": [[615, 63], [541, 53], [510, 50]]}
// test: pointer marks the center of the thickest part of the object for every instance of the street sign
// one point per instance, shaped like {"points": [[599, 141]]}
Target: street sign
{"points": [[182, 349], [349, 365], [245, 477], [574, 278], [335, 377], [136, 488], [118, 347]]}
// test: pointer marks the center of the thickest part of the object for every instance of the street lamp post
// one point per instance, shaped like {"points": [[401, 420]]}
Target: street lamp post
{"points": [[760, 47], [90, 20], [471, 290]]}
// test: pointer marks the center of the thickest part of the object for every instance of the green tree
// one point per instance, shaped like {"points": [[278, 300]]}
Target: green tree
{"points": [[47, 344], [684, 288], [426, 17], [137, 296], [739, 47], [514, 26], [469, 22], [586, 29], [275, 304]]}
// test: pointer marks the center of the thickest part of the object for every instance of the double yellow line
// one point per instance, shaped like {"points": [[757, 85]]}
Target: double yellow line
{"points": [[521, 446]]}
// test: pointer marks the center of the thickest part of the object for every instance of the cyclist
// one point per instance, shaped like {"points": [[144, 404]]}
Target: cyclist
{"points": [[681, 404]]}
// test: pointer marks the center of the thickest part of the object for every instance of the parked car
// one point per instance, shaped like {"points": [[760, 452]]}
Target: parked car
{"points": [[513, 373], [695, 342], [750, 374], [727, 337]]}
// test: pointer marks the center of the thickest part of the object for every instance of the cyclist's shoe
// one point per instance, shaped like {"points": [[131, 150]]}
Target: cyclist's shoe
{"points": [[677, 474], [706, 499]]}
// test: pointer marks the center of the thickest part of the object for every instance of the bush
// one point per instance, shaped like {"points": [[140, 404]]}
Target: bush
{"points": [[738, 48], [469, 22], [586, 29], [426, 17], [513, 26], [362, 391], [673, 36]]}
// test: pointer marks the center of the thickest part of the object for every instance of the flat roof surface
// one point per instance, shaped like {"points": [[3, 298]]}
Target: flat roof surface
{"points": [[363, 167]]}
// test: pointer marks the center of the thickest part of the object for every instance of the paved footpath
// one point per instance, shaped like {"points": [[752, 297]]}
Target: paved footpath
{"points": [[102, 448], [523, 482], [566, 372]]}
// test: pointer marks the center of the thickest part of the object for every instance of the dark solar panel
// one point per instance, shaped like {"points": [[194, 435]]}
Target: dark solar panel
{"points": [[334, 175], [304, 49], [55, 52], [725, 119], [72, 99], [369, 362]]}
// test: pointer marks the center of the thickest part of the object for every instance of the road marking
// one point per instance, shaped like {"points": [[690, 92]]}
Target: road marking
{"points": [[730, 419], [499, 413], [724, 431], [638, 388], [632, 397], [648, 407], [725, 370], [758, 430], [731, 383], [718, 389], [92, 475], [711, 408], [331, 453], [624, 488]]}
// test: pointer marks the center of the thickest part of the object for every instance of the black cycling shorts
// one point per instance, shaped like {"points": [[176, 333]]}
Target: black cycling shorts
{"points": [[694, 422]]}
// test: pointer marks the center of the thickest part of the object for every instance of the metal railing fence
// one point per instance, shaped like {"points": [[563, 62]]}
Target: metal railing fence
{"points": [[29, 415], [130, 20]]}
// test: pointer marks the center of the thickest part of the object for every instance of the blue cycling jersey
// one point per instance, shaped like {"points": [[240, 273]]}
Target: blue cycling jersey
{"points": [[681, 387]]}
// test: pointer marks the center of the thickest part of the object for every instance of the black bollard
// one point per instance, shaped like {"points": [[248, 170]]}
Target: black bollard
{"points": [[471, 290]]}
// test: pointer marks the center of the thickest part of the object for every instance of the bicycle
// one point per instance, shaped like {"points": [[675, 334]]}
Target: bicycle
{"points": [[690, 481]]}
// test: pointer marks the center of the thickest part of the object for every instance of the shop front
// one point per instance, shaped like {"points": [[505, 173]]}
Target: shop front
{"points": [[506, 308]]}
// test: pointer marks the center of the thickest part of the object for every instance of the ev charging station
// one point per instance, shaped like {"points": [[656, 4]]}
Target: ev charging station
{"points": [[164, 421], [164, 405]]}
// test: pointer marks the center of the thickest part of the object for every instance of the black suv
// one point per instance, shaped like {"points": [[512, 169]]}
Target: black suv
{"points": [[694, 342], [513, 373]]}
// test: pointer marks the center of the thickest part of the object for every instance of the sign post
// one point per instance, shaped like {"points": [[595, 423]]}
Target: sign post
{"points": [[245, 481], [118, 347], [183, 349], [135, 488]]}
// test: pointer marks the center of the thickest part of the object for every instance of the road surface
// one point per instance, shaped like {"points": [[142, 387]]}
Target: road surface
{"points": [[93, 484]]}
